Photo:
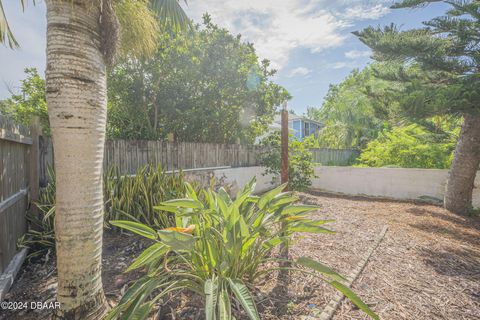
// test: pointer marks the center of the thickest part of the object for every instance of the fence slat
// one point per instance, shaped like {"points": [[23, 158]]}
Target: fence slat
{"points": [[338, 157], [15, 178]]}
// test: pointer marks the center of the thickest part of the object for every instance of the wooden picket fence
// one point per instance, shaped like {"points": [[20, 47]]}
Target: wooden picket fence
{"points": [[129, 155], [334, 157], [18, 168]]}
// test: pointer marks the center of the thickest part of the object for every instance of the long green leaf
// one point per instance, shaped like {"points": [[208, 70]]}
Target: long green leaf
{"points": [[355, 299], [268, 196], [142, 312], [300, 209], [178, 241], [211, 297], [183, 203], [153, 252], [224, 306], [243, 295], [319, 267], [136, 227], [306, 227]]}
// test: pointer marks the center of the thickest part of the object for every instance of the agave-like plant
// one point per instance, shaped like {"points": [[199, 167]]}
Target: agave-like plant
{"points": [[133, 198], [217, 250], [126, 197]]}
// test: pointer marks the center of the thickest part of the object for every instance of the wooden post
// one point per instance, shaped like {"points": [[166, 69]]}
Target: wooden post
{"points": [[284, 275], [284, 139], [34, 175]]}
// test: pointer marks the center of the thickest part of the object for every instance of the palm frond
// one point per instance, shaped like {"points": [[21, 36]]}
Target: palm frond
{"points": [[6, 35], [170, 14]]}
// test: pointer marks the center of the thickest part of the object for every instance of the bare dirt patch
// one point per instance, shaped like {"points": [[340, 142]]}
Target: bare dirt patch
{"points": [[426, 267]]}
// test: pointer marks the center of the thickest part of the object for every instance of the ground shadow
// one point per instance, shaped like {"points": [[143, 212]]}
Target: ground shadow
{"points": [[454, 262], [465, 236], [464, 221]]}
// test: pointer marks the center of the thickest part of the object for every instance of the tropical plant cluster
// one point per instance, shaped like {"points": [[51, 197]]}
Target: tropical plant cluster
{"points": [[218, 249]]}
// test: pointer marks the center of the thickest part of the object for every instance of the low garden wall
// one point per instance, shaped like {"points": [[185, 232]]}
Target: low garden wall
{"points": [[233, 179], [394, 183]]}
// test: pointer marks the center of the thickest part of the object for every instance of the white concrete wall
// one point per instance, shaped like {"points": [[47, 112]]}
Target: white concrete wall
{"points": [[233, 178], [236, 178], [395, 183]]}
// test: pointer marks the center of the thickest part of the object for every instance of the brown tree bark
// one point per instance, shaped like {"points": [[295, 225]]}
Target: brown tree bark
{"points": [[77, 108], [461, 178]]}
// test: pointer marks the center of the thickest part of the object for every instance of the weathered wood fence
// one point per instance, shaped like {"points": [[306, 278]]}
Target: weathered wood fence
{"points": [[129, 155], [334, 157], [18, 167]]}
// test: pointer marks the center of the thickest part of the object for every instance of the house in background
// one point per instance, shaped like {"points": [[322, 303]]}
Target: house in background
{"points": [[299, 126]]}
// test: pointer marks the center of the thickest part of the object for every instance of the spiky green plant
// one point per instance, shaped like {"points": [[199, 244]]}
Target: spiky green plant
{"points": [[40, 237], [134, 197], [126, 197], [219, 249]]}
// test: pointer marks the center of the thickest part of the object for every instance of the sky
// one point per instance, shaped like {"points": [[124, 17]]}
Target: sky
{"points": [[309, 42]]}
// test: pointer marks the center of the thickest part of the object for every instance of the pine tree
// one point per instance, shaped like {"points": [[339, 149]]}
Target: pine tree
{"points": [[437, 68]]}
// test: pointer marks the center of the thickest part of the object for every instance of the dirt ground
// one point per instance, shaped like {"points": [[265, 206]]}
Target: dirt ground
{"points": [[426, 267]]}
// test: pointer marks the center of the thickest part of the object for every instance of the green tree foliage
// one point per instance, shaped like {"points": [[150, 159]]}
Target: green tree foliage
{"points": [[203, 85], [300, 160], [411, 146], [348, 112], [434, 70], [29, 102]]}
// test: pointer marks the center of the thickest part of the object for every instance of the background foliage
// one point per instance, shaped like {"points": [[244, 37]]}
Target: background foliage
{"points": [[411, 146], [29, 102], [202, 85], [300, 165]]}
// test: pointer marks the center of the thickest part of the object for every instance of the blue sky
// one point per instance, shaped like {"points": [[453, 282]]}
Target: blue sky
{"points": [[308, 41]]}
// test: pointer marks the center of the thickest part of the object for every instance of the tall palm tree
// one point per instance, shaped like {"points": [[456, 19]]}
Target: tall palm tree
{"points": [[82, 38]]}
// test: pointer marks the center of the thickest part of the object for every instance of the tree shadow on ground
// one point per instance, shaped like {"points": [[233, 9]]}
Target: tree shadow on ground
{"points": [[470, 222], [454, 262], [463, 235]]}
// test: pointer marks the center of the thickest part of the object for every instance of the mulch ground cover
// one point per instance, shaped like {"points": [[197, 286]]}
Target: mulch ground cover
{"points": [[426, 267]]}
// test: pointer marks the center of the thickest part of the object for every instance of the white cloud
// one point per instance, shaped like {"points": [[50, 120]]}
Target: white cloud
{"points": [[355, 54], [278, 27], [365, 12], [300, 71], [338, 65]]}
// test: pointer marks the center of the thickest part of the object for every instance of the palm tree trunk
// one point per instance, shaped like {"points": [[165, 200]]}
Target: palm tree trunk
{"points": [[76, 99], [458, 196]]}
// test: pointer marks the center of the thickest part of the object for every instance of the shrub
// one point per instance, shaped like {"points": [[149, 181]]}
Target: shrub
{"points": [[408, 147], [217, 249], [126, 197], [300, 161]]}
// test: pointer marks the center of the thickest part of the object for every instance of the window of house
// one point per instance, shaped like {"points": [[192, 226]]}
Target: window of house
{"points": [[297, 128], [307, 129]]}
